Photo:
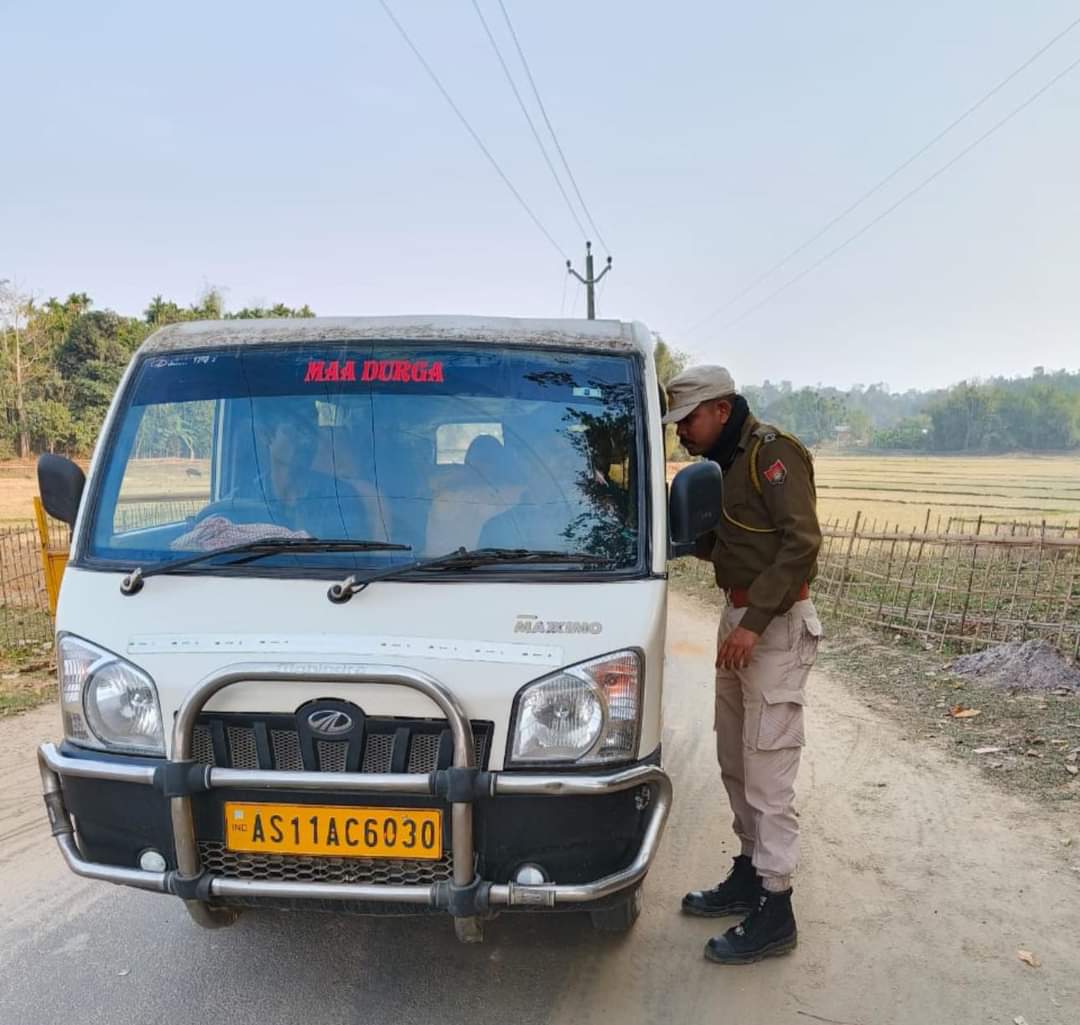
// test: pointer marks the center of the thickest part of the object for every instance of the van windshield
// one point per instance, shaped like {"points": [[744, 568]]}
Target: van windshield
{"points": [[437, 449]]}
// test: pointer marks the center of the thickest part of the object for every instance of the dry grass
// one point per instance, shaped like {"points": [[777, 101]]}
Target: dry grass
{"points": [[898, 490], [18, 486], [184, 478], [27, 679]]}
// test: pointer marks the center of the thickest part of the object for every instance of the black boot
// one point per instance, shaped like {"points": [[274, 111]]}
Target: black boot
{"points": [[736, 895], [767, 931]]}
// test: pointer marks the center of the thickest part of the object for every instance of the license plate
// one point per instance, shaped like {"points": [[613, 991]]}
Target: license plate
{"points": [[340, 832]]}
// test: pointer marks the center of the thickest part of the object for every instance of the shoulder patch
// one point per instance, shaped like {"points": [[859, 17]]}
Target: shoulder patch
{"points": [[776, 473]]}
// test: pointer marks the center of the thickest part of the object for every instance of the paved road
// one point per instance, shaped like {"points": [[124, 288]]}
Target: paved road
{"points": [[920, 882]]}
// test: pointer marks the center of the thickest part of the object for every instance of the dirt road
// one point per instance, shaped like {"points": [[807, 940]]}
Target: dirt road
{"points": [[920, 883]]}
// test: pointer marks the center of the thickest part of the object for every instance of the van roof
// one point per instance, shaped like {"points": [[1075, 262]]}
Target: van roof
{"points": [[611, 335]]}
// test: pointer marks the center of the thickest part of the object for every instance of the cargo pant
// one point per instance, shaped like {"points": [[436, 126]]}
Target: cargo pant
{"points": [[760, 735]]}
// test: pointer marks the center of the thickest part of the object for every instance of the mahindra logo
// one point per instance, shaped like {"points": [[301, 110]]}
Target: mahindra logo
{"points": [[330, 722]]}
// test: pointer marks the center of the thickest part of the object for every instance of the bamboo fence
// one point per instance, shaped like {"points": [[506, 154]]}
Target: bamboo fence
{"points": [[25, 618], [960, 584], [24, 604]]}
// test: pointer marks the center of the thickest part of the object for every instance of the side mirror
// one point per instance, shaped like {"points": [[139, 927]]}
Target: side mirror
{"points": [[61, 484], [696, 503]]}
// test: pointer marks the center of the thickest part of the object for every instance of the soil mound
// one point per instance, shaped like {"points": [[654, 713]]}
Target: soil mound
{"points": [[1023, 665]]}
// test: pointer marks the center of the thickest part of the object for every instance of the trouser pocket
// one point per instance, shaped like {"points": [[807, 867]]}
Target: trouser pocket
{"points": [[806, 632], [780, 723]]}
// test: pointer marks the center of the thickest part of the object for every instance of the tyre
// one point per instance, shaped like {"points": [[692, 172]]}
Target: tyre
{"points": [[619, 917]]}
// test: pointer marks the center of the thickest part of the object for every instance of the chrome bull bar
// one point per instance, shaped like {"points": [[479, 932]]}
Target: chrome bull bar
{"points": [[466, 897]]}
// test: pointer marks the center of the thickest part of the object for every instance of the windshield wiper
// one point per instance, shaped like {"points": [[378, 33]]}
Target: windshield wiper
{"points": [[463, 558], [258, 549]]}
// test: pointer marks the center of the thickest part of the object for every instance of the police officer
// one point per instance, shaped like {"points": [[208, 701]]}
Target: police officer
{"points": [[764, 553]]}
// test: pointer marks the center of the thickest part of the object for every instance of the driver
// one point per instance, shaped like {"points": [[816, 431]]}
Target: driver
{"points": [[299, 493]]}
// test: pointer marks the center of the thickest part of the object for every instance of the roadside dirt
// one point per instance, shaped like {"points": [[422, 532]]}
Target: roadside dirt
{"points": [[1027, 741], [1020, 665], [27, 679]]}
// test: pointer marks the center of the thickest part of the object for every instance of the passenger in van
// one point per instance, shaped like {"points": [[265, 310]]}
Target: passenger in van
{"points": [[545, 497], [468, 496]]}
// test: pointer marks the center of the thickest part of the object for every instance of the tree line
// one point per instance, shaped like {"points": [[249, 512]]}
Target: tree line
{"points": [[1036, 413], [61, 360]]}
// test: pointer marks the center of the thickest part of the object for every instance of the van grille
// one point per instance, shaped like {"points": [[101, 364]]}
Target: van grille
{"points": [[239, 741], [285, 868]]}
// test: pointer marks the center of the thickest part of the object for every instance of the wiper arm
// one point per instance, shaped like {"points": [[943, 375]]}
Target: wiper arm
{"points": [[257, 549], [462, 558]]}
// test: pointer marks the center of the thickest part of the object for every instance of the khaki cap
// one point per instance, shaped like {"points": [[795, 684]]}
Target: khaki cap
{"points": [[695, 385]]}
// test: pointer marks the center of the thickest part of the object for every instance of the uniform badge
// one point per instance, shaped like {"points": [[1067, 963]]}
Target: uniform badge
{"points": [[777, 473]]}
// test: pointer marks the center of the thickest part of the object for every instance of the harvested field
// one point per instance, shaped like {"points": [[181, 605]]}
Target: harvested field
{"points": [[899, 491], [18, 485]]}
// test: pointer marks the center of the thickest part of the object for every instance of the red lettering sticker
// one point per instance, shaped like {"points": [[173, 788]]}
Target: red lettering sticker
{"points": [[777, 473], [386, 370]]}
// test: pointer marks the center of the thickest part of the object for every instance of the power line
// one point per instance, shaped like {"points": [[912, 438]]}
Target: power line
{"points": [[765, 275], [468, 127], [551, 128], [904, 198], [528, 118]]}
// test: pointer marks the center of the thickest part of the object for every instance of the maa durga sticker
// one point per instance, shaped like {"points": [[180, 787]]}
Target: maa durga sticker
{"points": [[777, 473], [421, 371]]}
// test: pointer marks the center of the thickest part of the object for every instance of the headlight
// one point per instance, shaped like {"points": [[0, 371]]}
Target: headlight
{"points": [[585, 714], [107, 702]]}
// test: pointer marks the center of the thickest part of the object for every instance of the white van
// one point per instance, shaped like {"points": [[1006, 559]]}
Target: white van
{"points": [[368, 615]]}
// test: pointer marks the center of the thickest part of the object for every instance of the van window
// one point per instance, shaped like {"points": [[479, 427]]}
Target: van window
{"points": [[436, 449], [167, 477], [452, 441]]}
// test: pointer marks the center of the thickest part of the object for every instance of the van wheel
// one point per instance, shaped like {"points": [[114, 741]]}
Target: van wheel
{"points": [[619, 917]]}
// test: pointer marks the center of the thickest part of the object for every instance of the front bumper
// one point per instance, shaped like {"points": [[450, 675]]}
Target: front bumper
{"points": [[480, 805]]}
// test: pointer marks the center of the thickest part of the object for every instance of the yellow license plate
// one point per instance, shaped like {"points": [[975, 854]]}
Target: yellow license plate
{"points": [[340, 832]]}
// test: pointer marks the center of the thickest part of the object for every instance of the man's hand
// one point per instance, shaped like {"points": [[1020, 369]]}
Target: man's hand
{"points": [[735, 652]]}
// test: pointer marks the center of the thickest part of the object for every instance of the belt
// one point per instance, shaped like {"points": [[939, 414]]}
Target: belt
{"points": [[739, 597]]}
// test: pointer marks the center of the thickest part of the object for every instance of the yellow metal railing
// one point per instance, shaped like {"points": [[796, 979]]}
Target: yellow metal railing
{"points": [[54, 556]]}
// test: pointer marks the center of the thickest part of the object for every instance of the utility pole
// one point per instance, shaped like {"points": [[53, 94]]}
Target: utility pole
{"points": [[589, 281]]}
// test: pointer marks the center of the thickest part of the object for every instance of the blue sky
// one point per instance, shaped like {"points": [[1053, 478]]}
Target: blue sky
{"points": [[298, 152]]}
